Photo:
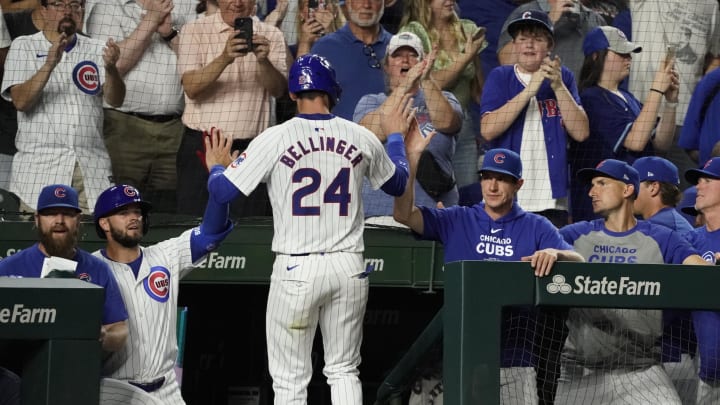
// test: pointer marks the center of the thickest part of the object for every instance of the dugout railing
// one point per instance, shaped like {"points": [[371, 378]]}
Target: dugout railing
{"points": [[476, 292]]}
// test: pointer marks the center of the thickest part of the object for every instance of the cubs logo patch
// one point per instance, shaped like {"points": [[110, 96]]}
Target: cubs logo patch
{"points": [[239, 160], [130, 191], [60, 192], [157, 284], [85, 277], [499, 158], [87, 77]]}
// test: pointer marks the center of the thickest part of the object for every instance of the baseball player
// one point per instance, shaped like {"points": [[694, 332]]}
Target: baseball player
{"points": [[314, 165], [149, 280], [656, 200], [58, 222], [613, 355], [706, 239], [497, 229]]}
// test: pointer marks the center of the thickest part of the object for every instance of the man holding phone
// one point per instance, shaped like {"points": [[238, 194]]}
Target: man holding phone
{"points": [[231, 65]]}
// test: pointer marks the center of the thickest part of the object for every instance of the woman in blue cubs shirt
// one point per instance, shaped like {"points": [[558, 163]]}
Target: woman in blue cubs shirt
{"points": [[621, 127], [496, 229]]}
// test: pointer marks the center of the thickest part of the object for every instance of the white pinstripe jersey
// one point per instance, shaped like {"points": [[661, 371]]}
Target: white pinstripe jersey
{"points": [[66, 123], [151, 301], [314, 170]]}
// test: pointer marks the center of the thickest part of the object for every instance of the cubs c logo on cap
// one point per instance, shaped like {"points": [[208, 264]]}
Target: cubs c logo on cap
{"points": [[60, 192], [157, 284], [130, 191], [87, 77], [526, 15], [499, 158]]}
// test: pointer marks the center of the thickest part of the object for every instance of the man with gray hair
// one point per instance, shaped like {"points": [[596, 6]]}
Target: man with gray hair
{"points": [[356, 51]]}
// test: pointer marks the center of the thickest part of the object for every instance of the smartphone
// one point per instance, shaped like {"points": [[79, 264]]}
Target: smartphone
{"points": [[245, 26]]}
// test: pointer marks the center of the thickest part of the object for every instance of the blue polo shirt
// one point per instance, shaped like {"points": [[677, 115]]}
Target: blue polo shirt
{"points": [[346, 54]]}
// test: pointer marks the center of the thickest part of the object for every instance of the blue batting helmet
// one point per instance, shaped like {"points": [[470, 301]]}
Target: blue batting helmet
{"points": [[117, 197], [313, 72]]}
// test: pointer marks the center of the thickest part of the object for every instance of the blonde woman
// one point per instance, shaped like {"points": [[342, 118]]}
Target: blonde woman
{"points": [[456, 68]]}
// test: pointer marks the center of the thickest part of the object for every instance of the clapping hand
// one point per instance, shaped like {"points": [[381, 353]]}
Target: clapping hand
{"points": [[111, 53]]}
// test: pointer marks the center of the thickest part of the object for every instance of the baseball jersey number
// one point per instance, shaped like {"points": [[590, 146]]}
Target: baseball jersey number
{"points": [[338, 192]]}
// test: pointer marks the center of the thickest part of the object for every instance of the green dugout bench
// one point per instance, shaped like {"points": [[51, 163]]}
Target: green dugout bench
{"points": [[466, 313]]}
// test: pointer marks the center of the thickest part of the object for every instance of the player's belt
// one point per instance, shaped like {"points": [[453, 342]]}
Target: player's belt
{"points": [[305, 254], [151, 386], [155, 118]]}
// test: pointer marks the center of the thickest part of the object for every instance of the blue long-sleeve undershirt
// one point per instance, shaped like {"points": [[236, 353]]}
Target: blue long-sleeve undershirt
{"points": [[395, 185]]}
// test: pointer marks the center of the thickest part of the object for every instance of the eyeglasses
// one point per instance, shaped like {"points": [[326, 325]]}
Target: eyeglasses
{"points": [[73, 6], [373, 61]]}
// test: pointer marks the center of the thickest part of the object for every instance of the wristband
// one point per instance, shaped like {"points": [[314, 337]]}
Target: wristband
{"points": [[171, 35], [658, 91]]}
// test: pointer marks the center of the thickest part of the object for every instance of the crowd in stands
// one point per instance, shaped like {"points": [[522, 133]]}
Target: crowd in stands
{"points": [[185, 70]]}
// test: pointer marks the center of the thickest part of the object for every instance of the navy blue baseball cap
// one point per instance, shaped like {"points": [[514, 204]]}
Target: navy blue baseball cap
{"points": [[654, 168], [58, 196], [711, 169], [606, 37], [614, 169], [504, 161], [687, 205], [530, 17]]}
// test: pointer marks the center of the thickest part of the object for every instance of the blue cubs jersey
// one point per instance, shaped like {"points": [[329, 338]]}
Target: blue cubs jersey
{"points": [[501, 86], [468, 233]]}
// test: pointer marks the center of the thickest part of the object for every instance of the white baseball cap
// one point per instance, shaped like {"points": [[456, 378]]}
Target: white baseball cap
{"points": [[405, 39], [606, 37]]}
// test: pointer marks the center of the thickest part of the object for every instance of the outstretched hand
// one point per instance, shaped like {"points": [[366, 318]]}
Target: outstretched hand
{"points": [[217, 149], [415, 142], [399, 118]]}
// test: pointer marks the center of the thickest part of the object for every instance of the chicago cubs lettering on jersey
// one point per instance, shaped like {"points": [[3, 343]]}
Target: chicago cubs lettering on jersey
{"points": [[86, 77], [301, 148], [495, 246], [157, 284], [613, 254]]}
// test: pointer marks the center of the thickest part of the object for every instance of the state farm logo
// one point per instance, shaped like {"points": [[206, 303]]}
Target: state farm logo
{"points": [[558, 285], [586, 285]]}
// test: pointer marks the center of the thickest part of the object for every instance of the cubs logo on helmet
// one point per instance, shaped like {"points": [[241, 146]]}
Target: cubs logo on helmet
{"points": [[157, 284], [130, 191], [86, 76]]}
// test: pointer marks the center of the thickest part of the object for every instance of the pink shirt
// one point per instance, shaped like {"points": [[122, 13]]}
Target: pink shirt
{"points": [[236, 103]]}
